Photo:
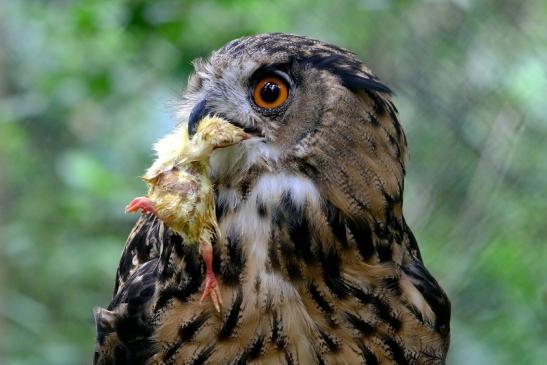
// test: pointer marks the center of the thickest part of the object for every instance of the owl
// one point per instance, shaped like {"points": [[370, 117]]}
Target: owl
{"points": [[315, 261]]}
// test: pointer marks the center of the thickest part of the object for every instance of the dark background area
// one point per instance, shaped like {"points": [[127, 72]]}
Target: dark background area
{"points": [[86, 87]]}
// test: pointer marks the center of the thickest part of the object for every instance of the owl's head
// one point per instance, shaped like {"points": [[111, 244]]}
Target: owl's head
{"points": [[312, 108]]}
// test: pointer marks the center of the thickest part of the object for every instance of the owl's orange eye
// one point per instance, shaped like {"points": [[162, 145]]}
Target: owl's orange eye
{"points": [[270, 92]]}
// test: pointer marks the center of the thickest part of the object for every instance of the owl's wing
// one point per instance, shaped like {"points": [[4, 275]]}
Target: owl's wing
{"points": [[145, 242], [124, 327], [155, 266]]}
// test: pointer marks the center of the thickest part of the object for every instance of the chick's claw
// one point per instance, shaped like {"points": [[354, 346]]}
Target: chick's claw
{"points": [[211, 289], [142, 203]]}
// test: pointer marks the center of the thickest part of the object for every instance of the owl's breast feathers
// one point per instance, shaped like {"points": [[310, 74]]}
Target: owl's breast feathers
{"points": [[302, 282]]}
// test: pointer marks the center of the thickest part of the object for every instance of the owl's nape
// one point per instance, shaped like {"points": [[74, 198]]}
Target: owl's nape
{"points": [[316, 262]]}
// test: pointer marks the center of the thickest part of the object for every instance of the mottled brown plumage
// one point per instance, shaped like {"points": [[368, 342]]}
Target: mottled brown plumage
{"points": [[316, 262]]}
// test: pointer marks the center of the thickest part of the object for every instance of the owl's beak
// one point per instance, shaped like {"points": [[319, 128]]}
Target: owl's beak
{"points": [[200, 111]]}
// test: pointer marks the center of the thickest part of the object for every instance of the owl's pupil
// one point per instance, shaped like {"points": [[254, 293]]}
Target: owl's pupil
{"points": [[269, 92]]}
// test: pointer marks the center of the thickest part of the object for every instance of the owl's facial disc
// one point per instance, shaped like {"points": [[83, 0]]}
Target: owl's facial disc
{"points": [[251, 95]]}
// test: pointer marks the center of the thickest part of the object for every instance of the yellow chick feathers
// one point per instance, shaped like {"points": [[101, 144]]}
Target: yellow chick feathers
{"points": [[180, 191]]}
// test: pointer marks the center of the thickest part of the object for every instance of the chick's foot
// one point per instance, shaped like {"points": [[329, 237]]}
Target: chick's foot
{"points": [[211, 283], [142, 203], [212, 290]]}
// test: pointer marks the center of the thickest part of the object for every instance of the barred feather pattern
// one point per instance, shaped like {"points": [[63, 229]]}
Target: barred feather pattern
{"points": [[309, 287], [315, 260]]}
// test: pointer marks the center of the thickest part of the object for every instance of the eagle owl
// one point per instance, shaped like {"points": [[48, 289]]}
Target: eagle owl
{"points": [[315, 261]]}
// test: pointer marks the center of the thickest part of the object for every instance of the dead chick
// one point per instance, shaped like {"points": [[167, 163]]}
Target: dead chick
{"points": [[181, 193]]}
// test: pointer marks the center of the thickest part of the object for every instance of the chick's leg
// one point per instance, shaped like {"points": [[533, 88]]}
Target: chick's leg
{"points": [[142, 203], [211, 284]]}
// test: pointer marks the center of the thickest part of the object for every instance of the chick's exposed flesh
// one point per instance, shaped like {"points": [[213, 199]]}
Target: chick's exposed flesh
{"points": [[181, 193]]}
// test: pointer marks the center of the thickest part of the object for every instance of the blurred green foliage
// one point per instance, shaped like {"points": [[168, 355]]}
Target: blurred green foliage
{"points": [[87, 86]]}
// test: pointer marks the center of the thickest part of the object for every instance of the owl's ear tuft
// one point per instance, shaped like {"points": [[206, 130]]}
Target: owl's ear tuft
{"points": [[356, 82], [349, 71]]}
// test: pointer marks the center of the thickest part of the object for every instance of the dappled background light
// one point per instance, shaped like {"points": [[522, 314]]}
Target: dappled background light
{"points": [[86, 87]]}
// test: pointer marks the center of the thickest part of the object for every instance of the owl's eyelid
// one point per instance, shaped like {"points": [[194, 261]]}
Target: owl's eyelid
{"points": [[281, 70], [257, 77]]}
